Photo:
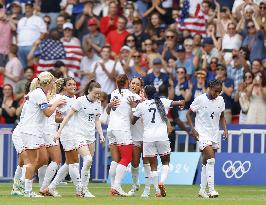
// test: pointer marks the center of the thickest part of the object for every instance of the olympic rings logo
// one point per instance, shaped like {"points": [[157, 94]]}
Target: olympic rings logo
{"points": [[236, 169]]}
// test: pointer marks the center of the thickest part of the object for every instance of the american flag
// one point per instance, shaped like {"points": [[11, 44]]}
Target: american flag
{"points": [[73, 57], [195, 24], [51, 51]]}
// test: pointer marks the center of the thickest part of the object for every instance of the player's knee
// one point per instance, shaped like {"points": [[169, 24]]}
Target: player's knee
{"points": [[211, 161], [87, 161]]}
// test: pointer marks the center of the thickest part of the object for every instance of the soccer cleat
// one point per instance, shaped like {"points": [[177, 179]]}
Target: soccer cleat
{"points": [[86, 193], [50, 192], [120, 191], [135, 188], [18, 185], [158, 194], [146, 193], [113, 192], [79, 195], [32, 195], [203, 194], [162, 189], [213, 194], [16, 193]]}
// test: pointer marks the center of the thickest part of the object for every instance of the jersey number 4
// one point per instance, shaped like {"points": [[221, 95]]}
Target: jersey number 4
{"points": [[153, 114]]}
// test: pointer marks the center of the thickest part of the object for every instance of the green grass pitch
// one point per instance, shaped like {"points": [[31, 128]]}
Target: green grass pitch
{"points": [[176, 195]]}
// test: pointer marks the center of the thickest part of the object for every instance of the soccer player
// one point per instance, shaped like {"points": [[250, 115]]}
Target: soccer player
{"points": [[209, 109], [136, 86], [66, 88], [30, 129], [81, 121], [153, 112], [119, 133]]}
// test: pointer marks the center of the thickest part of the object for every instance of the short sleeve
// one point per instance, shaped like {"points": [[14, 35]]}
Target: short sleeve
{"points": [[223, 104], [195, 105], [39, 98], [166, 103], [99, 109], [77, 104], [138, 112]]}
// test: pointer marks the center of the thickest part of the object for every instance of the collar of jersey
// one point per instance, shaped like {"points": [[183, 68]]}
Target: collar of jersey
{"points": [[88, 99]]}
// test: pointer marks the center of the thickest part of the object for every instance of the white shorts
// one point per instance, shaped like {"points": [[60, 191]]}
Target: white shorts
{"points": [[152, 149], [119, 137], [32, 141], [75, 143], [137, 143], [206, 143], [18, 143], [49, 140]]}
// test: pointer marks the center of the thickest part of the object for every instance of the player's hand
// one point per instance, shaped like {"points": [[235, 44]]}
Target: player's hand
{"points": [[57, 136], [60, 101], [114, 103], [131, 101], [181, 104], [195, 134], [225, 135], [102, 139]]}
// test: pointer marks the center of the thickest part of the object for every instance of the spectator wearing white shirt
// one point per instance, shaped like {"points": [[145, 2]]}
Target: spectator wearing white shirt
{"points": [[106, 70], [30, 28], [13, 70]]}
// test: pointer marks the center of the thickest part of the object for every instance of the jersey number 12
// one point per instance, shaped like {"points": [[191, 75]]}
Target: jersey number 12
{"points": [[153, 114]]}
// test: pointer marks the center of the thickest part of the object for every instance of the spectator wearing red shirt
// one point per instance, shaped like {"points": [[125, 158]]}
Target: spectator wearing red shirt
{"points": [[108, 23], [117, 37]]}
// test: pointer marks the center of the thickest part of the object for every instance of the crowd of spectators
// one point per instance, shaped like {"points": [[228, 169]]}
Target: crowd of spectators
{"points": [[141, 38]]}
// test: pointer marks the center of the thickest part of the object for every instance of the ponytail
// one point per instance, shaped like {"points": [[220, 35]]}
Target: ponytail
{"points": [[121, 82], [89, 87], [34, 84], [151, 93]]}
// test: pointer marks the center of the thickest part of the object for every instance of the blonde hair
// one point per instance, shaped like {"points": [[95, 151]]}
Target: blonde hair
{"points": [[59, 83], [44, 79]]}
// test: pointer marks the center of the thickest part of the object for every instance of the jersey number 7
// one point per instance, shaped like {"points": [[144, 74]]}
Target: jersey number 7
{"points": [[153, 114]]}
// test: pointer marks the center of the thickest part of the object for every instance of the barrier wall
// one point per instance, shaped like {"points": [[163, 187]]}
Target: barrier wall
{"points": [[243, 139]]}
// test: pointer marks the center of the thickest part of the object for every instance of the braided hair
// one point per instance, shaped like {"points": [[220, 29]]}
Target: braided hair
{"points": [[151, 93], [214, 83]]}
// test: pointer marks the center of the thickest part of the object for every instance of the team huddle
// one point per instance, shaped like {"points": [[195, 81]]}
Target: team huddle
{"points": [[137, 127]]}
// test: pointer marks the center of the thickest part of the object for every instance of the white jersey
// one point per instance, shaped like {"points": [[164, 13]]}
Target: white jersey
{"points": [[155, 129], [33, 118], [64, 109], [50, 124], [137, 130], [120, 117], [83, 121], [208, 114]]}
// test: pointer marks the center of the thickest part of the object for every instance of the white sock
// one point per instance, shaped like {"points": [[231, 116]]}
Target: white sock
{"points": [[210, 173], [147, 175], [112, 171], [41, 174], [135, 175], [50, 172], [28, 185], [60, 176], [85, 171], [119, 174], [75, 176], [23, 174], [18, 173], [154, 178], [203, 181], [164, 173]]}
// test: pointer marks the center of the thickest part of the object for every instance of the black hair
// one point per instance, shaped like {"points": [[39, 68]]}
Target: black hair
{"points": [[214, 83], [151, 93], [89, 87], [121, 81], [28, 68], [250, 74], [59, 64]]}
